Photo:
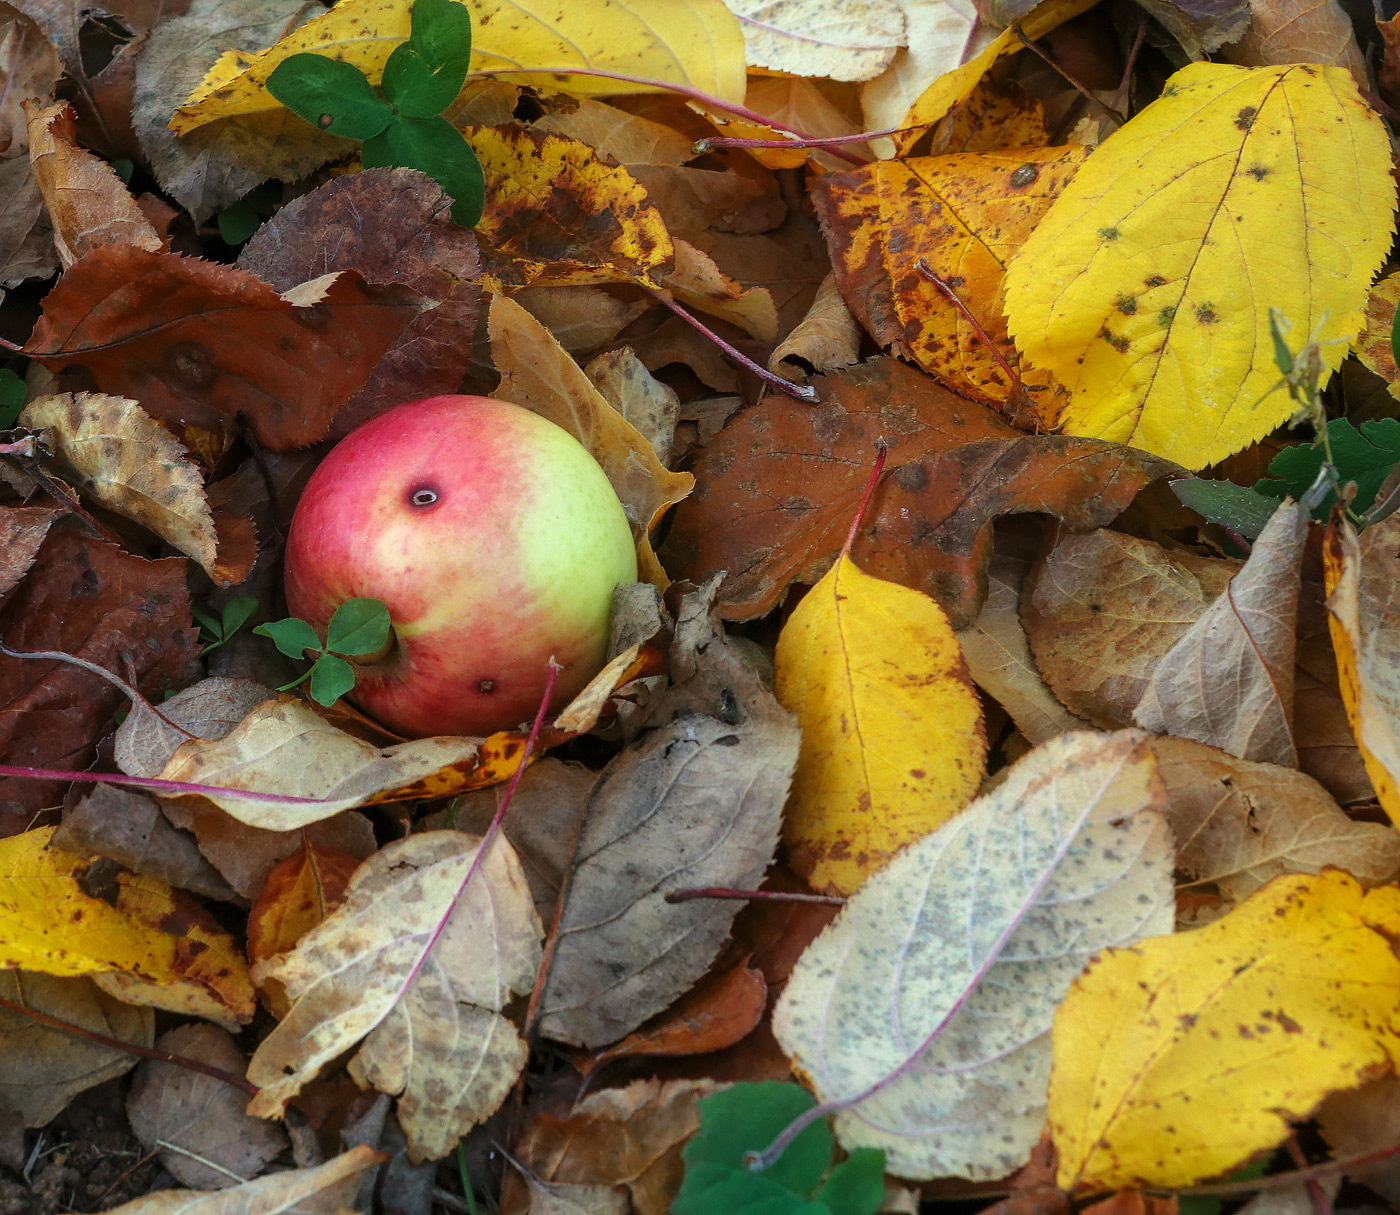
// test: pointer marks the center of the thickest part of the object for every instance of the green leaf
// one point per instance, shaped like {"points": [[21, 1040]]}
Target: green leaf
{"points": [[11, 397], [1364, 456], [413, 87], [208, 624], [237, 223], [856, 1186], [330, 95], [441, 32], [237, 612], [711, 1189], [1237, 509], [359, 626], [293, 636], [331, 678], [435, 147]]}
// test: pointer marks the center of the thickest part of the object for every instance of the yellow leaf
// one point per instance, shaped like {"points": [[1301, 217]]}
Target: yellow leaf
{"points": [[1185, 1055], [1363, 581], [698, 45], [1146, 288], [141, 930], [892, 737]]}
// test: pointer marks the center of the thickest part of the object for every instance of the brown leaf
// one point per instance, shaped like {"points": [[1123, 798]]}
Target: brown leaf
{"points": [[42, 1068], [22, 531], [629, 1137], [196, 1122], [580, 318], [697, 281], [777, 488], [88, 204], [207, 709], [1299, 31], [391, 226], [1240, 824], [87, 598], [827, 339], [649, 405], [29, 67], [1364, 1120], [1101, 610], [1201, 26], [1327, 749], [1228, 681], [199, 344]]}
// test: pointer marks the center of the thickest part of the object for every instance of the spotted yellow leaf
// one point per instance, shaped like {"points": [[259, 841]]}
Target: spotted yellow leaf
{"points": [[1184, 1056], [892, 738], [1146, 288]]}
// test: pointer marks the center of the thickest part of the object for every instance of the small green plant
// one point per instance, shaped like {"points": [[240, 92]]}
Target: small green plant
{"points": [[215, 631], [404, 127], [11, 397], [746, 1118], [238, 222], [358, 627]]}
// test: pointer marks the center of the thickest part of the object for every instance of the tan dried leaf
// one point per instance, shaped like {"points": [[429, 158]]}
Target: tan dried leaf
{"points": [[827, 338], [648, 404], [1299, 31], [580, 318], [697, 281], [22, 531], [418, 961], [132, 465]]}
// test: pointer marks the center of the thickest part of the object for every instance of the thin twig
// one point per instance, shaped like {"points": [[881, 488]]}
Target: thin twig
{"points": [[1085, 92], [1277, 1181], [711, 142], [156, 783], [1120, 97], [775, 896]]}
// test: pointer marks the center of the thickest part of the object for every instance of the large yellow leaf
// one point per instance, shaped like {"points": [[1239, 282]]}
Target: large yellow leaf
{"points": [[892, 738], [1146, 288], [143, 932], [1184, 1056], [698, 44]]}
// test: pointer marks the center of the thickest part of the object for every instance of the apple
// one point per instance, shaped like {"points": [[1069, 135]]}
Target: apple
{"points": [[493, 538]]}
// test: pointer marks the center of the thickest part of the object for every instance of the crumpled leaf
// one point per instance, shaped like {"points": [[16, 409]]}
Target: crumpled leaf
{"points": [[43, 1068], [197, 1123], [1159, 330], [197, 343], [327, 1189], [29, 67], [777, 488], [416, 956], [88, 204], [957, 952], [1299, 31], [538, 374], [146, 931], [1288, 998], [1203, 26], [698, 45], [648, 404], [962, 216], [1101, 610], [1228, 681], [131, 465], [827, 339], [1239, 824], [849, 41], [893, 742], [1363, 579]]}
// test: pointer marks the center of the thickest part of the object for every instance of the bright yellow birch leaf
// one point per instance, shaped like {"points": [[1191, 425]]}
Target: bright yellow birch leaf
{"points": [[1183, 1056], [1146, 288], [142, 931], [893, 743], [698, 46], [1363, 602]]}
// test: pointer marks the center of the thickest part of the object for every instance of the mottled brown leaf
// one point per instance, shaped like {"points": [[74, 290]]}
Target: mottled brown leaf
{"points": [[1299, 31], [29, 67], [22, 531]]}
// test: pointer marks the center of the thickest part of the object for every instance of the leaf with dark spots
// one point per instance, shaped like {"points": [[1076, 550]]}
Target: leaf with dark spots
{"points": [[87, 598], [201, 344], [777, 488], [391, 226]]}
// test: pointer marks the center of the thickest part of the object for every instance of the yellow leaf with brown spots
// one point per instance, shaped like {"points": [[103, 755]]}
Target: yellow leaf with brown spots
{"points": [[962, 216], [1184, 1056], [1146, 288], [64, 916], [892, 738], [658, 43]]}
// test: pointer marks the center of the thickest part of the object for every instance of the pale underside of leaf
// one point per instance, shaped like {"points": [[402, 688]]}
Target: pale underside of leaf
{"points": [[851, 41]]}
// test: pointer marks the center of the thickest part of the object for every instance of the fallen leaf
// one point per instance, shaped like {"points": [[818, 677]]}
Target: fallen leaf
{"points": [[1362, 1120], [828, 338], [1228, 681], [1299, 31], [145, 931], [777, 488], [1373, 346], [995, 117], [961, 216], [1160, 330], [209, 708], [1239, 824], [196, 1123], [22, 532], [923, 1011], [538, 374], [390, 226], [43, 1068], [697, 281], [1202, 26], [200, 344], [130, 464], [29, 67], [648, 405], [1101, 610], [800, 105], [415, 954], [580, 318], [852, 41], [629, 139], [1263, 1013], [327, 1189]]}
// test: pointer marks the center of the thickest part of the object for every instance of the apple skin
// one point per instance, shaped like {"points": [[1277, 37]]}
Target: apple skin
{"points": [[514, 561]]}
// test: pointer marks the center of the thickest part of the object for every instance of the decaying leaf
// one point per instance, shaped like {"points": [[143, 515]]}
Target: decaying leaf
{"points": [[1264, 1013], [1139, 290], [696, 280], [22, 531], [1299, 31], [827, 339], [419, 955], [1373, 346], [29, 68], [814, 38], [923, 1011], [649, 405]]}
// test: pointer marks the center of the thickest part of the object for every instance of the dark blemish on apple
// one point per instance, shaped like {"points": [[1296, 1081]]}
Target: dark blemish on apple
{"points": [[486, 686], [422, 497]]}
